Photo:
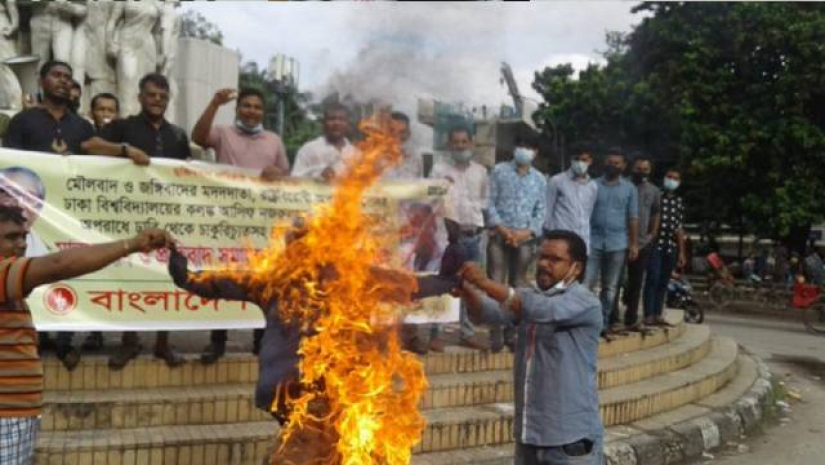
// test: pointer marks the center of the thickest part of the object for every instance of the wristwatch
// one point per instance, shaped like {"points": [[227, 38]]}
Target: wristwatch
{"points": [[124, 149]]}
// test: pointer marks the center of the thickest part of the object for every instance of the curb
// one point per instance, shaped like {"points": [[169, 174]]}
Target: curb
{"points": [[690, 439]]}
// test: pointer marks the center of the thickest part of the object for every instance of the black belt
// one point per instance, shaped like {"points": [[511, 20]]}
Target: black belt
{"points": [[470, 232]]}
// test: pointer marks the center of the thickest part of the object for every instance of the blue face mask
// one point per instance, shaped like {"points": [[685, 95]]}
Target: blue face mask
{"points": [[523, 156], [462, 156], [580, 167], [247, 130], [670, 184]]}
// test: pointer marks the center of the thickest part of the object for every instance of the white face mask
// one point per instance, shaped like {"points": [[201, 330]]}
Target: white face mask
{"points": [[565, 282], [670, 184]]}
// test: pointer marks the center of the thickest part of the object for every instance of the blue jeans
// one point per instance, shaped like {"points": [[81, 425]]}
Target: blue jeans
{"points": [[659, 268], [467, 329], [604, 269]]}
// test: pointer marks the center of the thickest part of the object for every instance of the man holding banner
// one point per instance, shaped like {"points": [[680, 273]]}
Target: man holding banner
{"points": [[21, 372]]}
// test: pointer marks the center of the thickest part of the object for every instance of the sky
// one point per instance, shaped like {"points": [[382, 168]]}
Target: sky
{"points": [[402, 51]]}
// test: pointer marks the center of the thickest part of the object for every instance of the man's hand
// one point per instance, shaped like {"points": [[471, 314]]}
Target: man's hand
{"points": [[149, 240], [273, 173], [138, 156], [633, 253], [472, 273], [224, 96], [519, 237], [328, 174], [505, 233], [681, 262]]}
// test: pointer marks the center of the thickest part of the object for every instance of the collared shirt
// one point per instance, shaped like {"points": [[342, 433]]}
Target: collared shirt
{"points": [[410, 167], [555, 375], [467, 195], [168, 141], [616, 204], [673, 216], [36, 129], [253, 151], [517, 201], [570, 204], [649, 204], [318, 154]]}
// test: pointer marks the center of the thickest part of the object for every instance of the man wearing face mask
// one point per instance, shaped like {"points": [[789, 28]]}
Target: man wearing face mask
{"points": [[614, 231], [649, 198], [246, 143], [516, 212], [554, 367], [466, 198], [571, 196], [668, 249]]}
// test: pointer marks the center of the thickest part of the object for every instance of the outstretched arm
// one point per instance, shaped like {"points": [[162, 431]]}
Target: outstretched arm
{"points": [[204, 285]]}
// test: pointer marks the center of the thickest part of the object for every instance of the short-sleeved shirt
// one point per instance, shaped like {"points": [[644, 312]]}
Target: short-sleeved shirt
{"points": [[517, 201], [570, 201], [21, 372], [318, 154], [615, 205], [168, 141], [253, 151], [673, 216], [649, 200], [36, 129]]}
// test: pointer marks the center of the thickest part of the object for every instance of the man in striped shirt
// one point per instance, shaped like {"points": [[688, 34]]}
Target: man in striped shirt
{"points": [[21, 372]]}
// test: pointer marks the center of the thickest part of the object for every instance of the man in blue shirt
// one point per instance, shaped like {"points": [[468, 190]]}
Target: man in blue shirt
{"points": [[516, 213], [571, 196], [558, 323], [614, 228]]}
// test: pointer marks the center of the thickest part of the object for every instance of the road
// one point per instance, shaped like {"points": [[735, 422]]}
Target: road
{"points": [[798, 359]]}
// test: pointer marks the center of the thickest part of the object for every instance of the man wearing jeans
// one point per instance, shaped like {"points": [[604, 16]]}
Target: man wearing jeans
{"points": [[614, 231], [669, 250], [516, 213]]}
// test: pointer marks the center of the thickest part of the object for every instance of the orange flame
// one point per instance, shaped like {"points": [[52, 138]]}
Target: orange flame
{"points": [[351, 353]]}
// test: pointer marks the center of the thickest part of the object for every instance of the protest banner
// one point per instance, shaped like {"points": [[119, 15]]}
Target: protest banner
{"points": [[216, 212]]}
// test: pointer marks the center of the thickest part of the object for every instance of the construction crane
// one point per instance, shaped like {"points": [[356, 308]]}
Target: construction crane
{"points": [[507, 78]]}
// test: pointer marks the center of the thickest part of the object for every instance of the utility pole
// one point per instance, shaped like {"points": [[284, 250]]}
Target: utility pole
{"points": [[284, 71]]}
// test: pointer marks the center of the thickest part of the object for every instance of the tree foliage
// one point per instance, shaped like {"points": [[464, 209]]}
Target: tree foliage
{"points": [[732, 92], [194, 25]]}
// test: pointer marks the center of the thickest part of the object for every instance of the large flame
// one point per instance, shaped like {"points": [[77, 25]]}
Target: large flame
{"points": [[326, 283]]}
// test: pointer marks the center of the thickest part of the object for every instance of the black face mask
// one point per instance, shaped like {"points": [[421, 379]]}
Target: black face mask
{"points": [[612, 171], [639, 178]]}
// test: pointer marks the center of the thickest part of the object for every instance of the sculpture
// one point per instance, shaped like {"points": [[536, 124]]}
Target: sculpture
{"points": [[133, 46], [51, 29], [89, 58], [170, 25], [11, 95]]}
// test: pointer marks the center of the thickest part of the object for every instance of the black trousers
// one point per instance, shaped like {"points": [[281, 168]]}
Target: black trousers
{"points": [[219, 336], [635, 282]]}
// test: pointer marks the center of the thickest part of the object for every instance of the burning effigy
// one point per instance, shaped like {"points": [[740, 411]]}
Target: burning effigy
{"points": [[356, 399]]}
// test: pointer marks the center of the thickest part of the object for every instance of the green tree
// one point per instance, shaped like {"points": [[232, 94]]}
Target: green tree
{"points": [[194, 25]]}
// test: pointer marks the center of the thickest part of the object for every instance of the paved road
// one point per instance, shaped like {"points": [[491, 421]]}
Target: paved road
{"points": [[798, 359]]}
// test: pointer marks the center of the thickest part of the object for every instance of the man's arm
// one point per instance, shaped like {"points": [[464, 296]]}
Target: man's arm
{"points": [[633, 225], [200, 133], [483, 309], [205, 284], [550, 203], [99, 146], [655, 217], [71, 263], [539, 210], [493, 218]]}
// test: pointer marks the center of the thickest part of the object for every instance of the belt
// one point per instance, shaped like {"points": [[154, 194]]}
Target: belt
{"points": [[470, 232]]}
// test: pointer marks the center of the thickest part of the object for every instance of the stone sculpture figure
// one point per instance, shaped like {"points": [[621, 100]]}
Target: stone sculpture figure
{"points": [[89, 59], [52, 30], [11, 95], [170, 25], [133, 45]]}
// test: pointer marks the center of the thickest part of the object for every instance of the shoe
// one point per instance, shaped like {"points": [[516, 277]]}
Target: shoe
{"points": [[496, 341], [662, 322], [69, 356], [607, 336], [473, 343], [212, 353], [511, 345], [123, 355], [437, 345], [256, 347], [93, 342], [168, 355]]}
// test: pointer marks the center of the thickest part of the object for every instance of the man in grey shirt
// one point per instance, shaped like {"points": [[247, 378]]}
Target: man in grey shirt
{"points": [[557, 405], [649, 200]]}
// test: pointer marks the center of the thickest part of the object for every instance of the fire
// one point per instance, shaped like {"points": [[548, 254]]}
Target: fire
{"points": [[351, 353]]}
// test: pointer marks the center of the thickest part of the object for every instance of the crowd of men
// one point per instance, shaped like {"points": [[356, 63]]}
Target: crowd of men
{"points": [[576, 228]]}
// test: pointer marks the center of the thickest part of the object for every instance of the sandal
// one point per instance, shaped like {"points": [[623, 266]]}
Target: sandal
{"points": [[123, 355]]}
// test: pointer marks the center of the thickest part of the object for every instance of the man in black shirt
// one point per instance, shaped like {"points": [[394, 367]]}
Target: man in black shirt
{"points": [[148, 131], [50, 126], [149, 134]]}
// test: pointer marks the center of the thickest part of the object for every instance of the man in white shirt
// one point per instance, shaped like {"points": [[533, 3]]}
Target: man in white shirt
{"points": [[466, 198], [411, 165], [325, 157]]}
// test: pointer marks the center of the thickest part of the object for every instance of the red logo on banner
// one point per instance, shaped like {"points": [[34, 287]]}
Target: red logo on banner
{"points": [[60, 299]]}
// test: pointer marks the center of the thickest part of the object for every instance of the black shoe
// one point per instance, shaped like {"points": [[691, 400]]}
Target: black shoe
{"points": [[45, 342], [93, 342], [212, 353], [168, 355], [123, 355], [69, 356]]}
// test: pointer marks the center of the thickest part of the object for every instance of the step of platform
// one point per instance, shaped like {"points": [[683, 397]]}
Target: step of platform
{"points": [[231, 403], [93, 372]]}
